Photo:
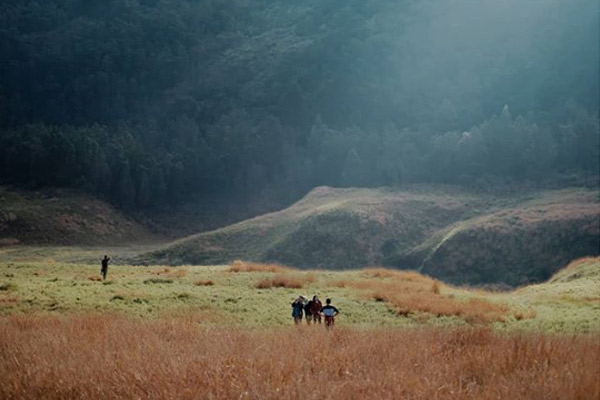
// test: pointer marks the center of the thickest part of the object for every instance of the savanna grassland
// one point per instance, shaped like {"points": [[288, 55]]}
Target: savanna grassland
{"points": [[226, 332], [109, 356]]}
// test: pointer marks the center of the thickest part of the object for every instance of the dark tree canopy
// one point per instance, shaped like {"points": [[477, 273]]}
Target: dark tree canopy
{"points": [[146, 102]]}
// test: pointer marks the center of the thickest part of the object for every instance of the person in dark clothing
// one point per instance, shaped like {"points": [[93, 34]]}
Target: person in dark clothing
{"points": [[308, 311], [104, 269], [297, 308], [329, 312], [315, 309]]}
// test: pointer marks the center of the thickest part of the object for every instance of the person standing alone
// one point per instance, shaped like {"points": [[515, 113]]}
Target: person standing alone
{"points": [[329, 312], [104, 269]]}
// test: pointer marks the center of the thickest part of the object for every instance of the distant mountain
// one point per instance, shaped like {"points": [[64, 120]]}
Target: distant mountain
{"points": [[447, 232]]}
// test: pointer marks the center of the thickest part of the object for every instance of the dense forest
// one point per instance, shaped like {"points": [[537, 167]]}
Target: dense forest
{"points": [[147, 102]]}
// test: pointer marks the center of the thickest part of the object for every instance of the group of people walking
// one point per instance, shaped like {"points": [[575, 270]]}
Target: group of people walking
{"points": [[313, 311]]}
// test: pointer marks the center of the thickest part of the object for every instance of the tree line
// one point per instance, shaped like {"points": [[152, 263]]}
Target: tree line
{"points": [[148, 102]]}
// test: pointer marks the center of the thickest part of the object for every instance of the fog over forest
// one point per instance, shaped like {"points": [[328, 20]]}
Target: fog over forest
{"points": [[149, 102]]}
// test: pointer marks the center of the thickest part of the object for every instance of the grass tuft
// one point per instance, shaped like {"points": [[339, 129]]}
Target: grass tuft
{"points": [[204, 282], [157, 280], [522, 315], [6, 287], [244, 266], [285, 281], [173, 272]]}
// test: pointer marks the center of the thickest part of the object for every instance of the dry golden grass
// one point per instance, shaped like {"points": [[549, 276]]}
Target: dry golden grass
{"points": [[528, 314], [291, 281], [586, 266], [342, 283], [108, 357], [379, 272], [172, 272], [404, 275], [408, 292], [580, 261], [435, 288], [473, 311], [245, 266]]}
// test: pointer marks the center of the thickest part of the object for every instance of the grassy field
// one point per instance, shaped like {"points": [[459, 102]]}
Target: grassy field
{"points": [[226, 332], [258, 295], [111, 357]]}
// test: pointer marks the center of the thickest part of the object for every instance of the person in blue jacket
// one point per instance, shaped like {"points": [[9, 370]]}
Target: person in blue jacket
{"points": [[297, 309]]}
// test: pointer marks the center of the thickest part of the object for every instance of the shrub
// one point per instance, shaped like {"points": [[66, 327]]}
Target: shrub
{"points": [[380, 272], [340, 283], [284, 281], [158, 280], [177, 273], [520, 315], [6, 287], [204, 283]]}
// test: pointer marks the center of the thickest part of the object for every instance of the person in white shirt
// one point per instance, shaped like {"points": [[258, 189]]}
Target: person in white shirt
{"points": [[329, 312]]}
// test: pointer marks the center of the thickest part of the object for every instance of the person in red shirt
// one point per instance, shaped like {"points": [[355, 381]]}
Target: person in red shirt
{"points": [[315, 309]]}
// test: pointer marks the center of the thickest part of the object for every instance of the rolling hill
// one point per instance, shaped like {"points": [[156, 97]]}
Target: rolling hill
{"points": [[64, 217], [458, 235]]}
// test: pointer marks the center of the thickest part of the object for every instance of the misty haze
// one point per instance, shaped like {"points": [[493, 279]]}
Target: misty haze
{"points": [[323, 199]]}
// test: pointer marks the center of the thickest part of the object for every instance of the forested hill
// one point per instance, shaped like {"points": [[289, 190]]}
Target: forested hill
{"points": [[145, 102]]}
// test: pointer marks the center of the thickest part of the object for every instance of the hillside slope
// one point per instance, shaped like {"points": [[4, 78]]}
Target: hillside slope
{"points": [[570, 298], [447, 232], [577, 282], [513, 245], [64, 217]]}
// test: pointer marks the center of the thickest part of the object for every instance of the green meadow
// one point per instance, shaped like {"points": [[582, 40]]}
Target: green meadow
{"points": [[58, 281]]}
